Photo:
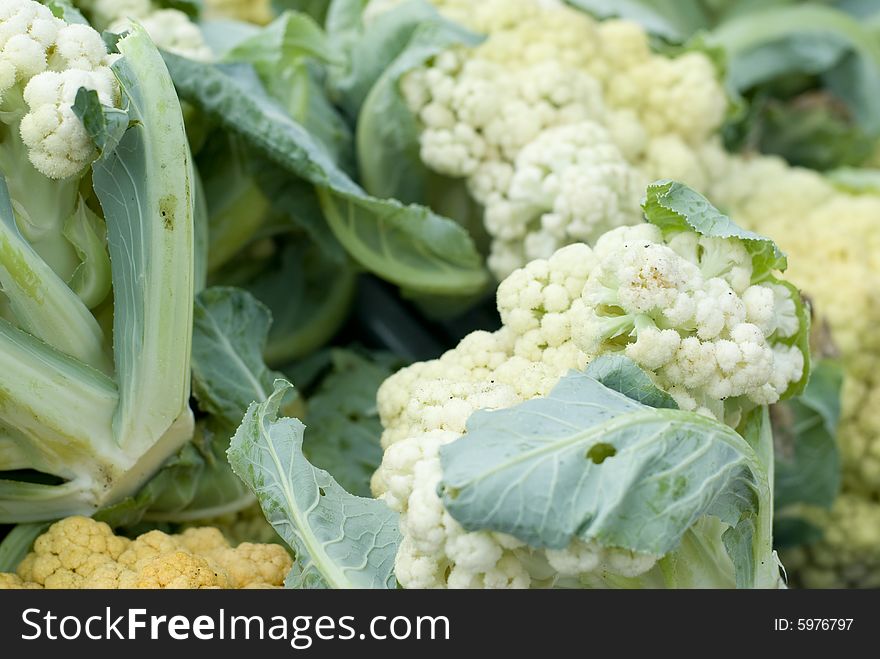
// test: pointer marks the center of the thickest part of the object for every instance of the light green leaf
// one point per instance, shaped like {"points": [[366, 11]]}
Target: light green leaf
{"points": [[805, 428], [588, 462], [343, 420], [340, 540], [229, 335], [91, 280], [675, 207], [407, 245], [806, 39], [41, 302], [105, 125], [146, 191], [623, 375], [674, 20]]}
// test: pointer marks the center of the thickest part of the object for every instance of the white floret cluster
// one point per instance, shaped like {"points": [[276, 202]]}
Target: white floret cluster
{"points": [[553, 110], [684, 308], [44, 62]]}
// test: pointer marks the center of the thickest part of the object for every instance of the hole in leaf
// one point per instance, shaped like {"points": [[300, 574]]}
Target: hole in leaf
{"points": [[322, 492], [599, 452]]}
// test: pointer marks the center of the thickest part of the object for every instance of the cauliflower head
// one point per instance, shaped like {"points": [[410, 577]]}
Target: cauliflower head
{"points": [[81, 553], [557, 121], [44, 62], [696, 312]]}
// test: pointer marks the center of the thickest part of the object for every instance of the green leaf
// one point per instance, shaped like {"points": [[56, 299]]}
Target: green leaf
{"points": [[171, 488], [41, 302], [64, 10], [340, 540], [806, 39], [145, 187], [17, 543], [805, 428], [317, 9], [343, 420], [309, 296], [675, 207], [229, 335], [407, 245], [623, 375], [105, 125], [588, 462], [286, 55], [191, 8], [92, 280], [674, 20]]}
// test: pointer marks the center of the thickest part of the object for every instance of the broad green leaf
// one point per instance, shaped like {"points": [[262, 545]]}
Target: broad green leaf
{"points": [[343, 420], [407, 245], [674, 20], [104, 125], [806, 39], [42, 304], [623, 375], [309, 296], [146, 191], [339, 540], [674, 207], [372, 50], [588, 462], [805, 428], [229, 335], [17, 543], [288, 56]]}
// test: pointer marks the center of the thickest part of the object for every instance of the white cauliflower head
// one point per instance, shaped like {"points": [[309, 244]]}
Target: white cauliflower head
{"points": [[557, 121], [684, 306]]}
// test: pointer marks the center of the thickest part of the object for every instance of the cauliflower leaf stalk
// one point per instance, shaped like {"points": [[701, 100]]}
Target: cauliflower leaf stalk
{"points": [[96, 383], [696, 304]]}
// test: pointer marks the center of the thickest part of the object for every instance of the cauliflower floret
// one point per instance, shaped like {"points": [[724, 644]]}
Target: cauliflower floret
{"points": [[78, 552], [43, 64], [570, 184]]}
